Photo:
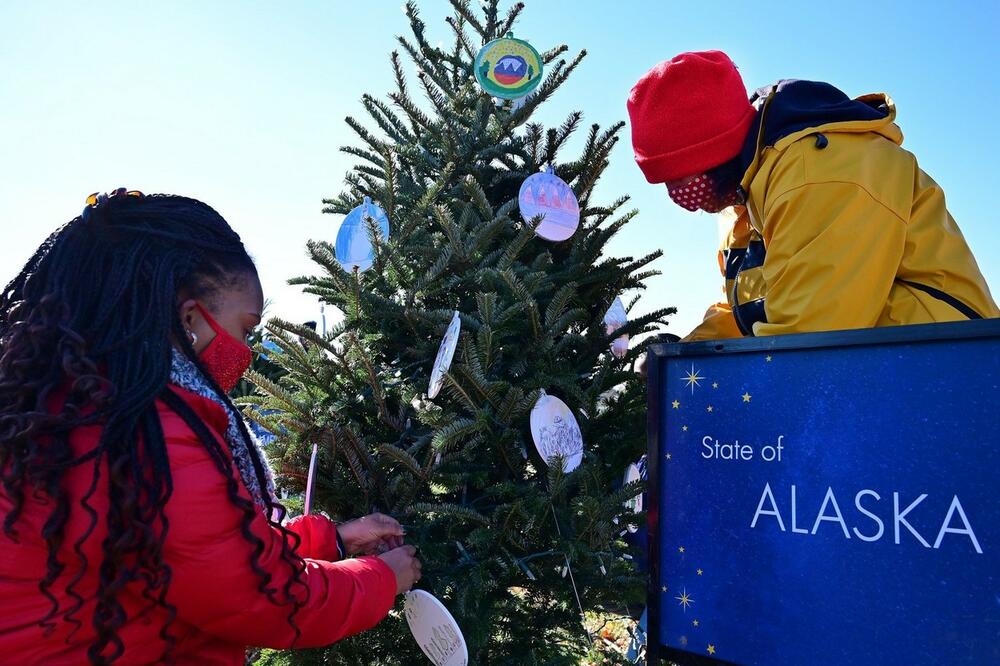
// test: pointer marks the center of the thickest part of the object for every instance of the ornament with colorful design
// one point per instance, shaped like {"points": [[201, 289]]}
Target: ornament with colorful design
{"points": [[508, 68]]}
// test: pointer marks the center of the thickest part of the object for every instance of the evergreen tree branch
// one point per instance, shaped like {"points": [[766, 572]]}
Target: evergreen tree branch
{"points": [[463, 9], [512, 15], [449, 511], [403, 458]]}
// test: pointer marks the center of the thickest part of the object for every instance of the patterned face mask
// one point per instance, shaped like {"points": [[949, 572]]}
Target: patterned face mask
{"points": [[225, 358], [701, 193]]}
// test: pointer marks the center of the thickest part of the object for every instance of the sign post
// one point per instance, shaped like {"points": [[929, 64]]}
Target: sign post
{"points": [[826, 499]]}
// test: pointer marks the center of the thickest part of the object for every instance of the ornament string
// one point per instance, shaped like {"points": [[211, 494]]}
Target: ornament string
{"points": [[572, 580]]}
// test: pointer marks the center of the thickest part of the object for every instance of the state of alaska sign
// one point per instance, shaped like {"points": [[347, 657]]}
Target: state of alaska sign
{"points": [[827, 499]]}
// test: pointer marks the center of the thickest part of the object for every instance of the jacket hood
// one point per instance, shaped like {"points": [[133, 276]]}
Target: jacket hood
{"points": [[792, 108]]}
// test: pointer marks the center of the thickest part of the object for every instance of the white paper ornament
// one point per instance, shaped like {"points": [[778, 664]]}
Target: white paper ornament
{"points": [[635, 504], [547, 194], [435, 630], [616, 313], [446, 352], [614, 319], [556, 432], [309, 481], [354, 247]]}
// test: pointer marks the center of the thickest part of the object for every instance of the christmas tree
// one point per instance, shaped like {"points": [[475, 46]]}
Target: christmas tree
{"points": [[495, 524]]}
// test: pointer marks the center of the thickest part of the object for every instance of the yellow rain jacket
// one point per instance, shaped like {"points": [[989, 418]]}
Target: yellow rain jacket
{"points": [[841, 228]]}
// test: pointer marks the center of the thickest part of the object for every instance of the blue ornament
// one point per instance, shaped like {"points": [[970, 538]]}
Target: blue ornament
{"points": [[354, 247]]}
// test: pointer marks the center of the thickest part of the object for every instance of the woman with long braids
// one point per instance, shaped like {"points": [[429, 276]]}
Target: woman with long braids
{"points": [[139, 521]]}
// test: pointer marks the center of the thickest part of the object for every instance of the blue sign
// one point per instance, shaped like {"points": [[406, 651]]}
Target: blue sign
{"points": [[827, 499]]}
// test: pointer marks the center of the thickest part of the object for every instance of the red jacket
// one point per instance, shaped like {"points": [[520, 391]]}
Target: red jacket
{"points": [[219, 608]]}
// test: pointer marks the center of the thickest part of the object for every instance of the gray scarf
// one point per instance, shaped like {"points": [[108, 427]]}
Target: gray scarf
{"points": [[185, 374]]}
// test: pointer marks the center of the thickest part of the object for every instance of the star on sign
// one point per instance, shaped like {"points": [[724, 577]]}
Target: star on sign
{"points": [[715, 384], [693, 379], [746, 397], [664, 588], [676, 404], [711, 649], [681, 549], [668, 456], [710, 408], [695, 623], [700, 572], [685, 599], [768, 358], [684, 428]]}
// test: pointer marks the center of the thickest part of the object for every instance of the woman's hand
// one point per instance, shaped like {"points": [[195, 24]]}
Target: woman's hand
{"points": [[405, 565], [373, 534]]}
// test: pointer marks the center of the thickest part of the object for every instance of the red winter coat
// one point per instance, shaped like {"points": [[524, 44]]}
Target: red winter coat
{"points": [[220, 610]]}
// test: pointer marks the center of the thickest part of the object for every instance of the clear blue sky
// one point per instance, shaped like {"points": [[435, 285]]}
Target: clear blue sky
{"points": [[241, 104]]}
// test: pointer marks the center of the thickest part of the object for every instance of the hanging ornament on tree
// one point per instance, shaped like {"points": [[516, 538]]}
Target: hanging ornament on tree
{"points": [[555, 432], [354, 247], [435, 630], [614, 319], [310, 479], [548, 195], [508, 68], [632, 474], [637, 536], [446, 352]]}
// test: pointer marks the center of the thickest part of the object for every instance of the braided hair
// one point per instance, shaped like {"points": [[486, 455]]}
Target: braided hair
{"points": [[90, 322]]}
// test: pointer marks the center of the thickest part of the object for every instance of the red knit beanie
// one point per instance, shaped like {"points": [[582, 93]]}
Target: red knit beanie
{"points": [[689, 114]]}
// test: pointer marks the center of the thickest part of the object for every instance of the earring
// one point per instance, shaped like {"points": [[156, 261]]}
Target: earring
{"points": [[194, 338]]}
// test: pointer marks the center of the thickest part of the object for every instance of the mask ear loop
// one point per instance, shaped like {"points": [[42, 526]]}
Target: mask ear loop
{"points": [[214, 325]]}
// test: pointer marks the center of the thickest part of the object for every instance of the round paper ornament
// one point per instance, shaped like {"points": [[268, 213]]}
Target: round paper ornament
{"points": [[614, 319], [446, 352], [548, 195], [556, 432], [354, 247], [435, 630], [508, 68], [634, 505]]}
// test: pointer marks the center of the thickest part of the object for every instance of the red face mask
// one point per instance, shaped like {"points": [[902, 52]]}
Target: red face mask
{"points": [[701, 193], [225, 358]]}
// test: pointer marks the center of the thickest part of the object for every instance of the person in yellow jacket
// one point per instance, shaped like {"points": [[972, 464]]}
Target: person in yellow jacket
{"points": [[835, 225]]}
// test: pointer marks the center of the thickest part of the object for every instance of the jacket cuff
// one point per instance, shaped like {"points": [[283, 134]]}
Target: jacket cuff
{"points": [[320, 540], [341, 548]]}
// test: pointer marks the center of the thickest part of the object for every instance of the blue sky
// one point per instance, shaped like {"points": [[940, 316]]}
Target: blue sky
{"points": [[241, 104]]}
